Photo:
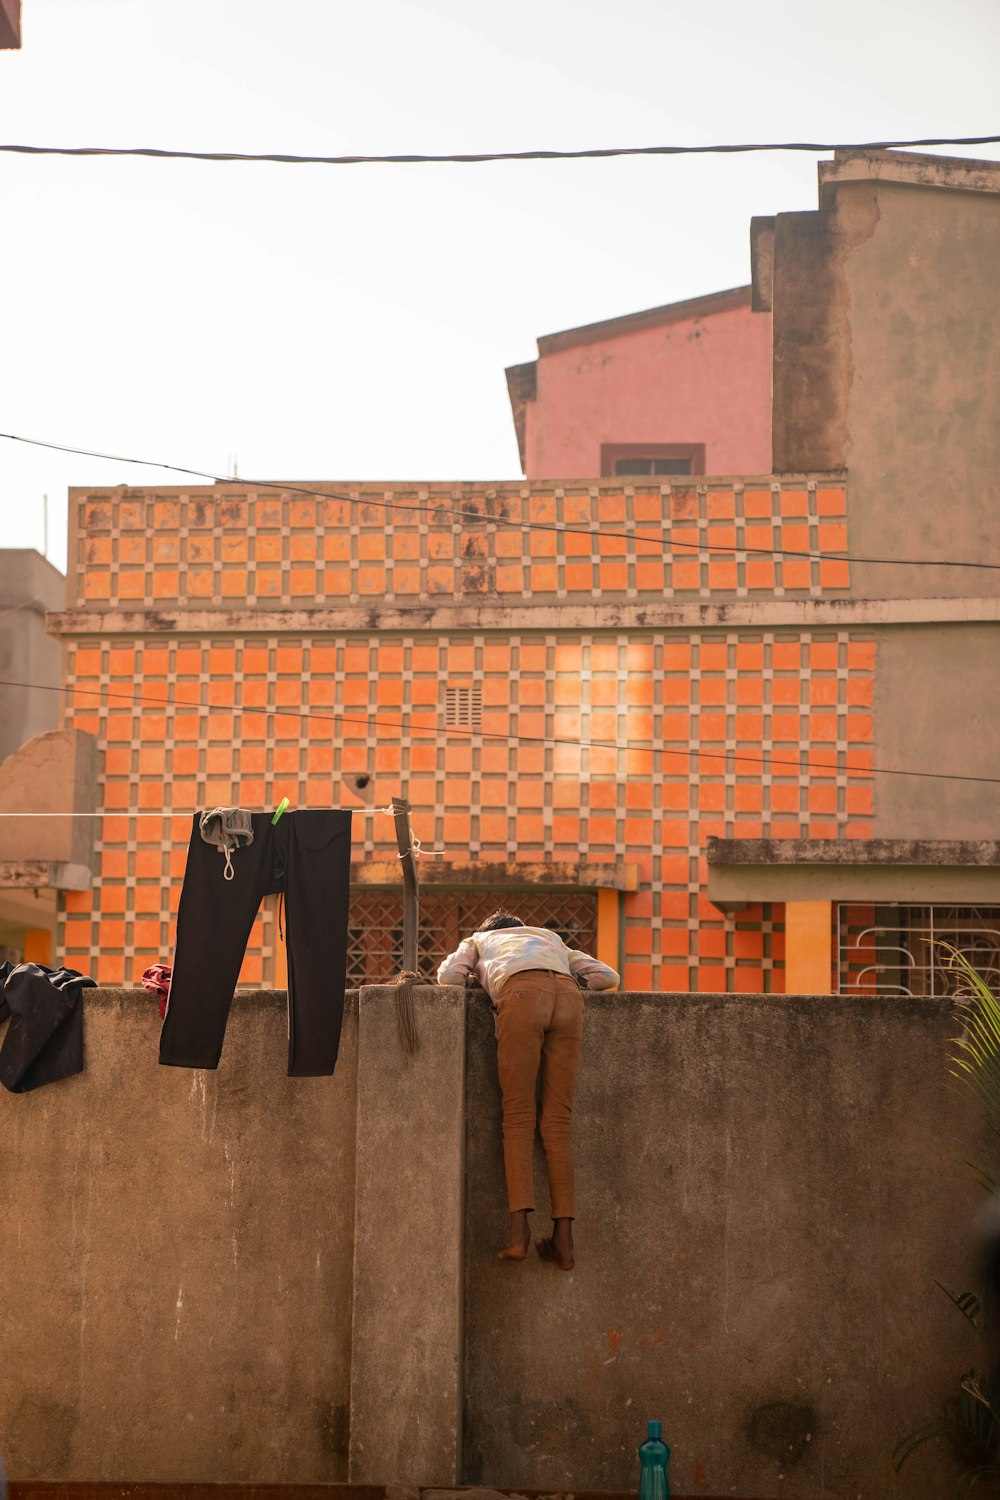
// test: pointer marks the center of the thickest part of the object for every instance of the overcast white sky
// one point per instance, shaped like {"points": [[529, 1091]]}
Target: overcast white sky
{"points": [[354, 323]]}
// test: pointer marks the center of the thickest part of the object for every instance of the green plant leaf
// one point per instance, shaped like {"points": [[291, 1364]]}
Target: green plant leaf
{"points": [[907, 1446]]}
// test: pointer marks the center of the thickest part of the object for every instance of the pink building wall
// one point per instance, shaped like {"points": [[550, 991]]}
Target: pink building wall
{"points": [[696, 372]]}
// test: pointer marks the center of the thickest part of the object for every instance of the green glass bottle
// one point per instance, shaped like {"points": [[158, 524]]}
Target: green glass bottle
{"points": [[654, 1455]]}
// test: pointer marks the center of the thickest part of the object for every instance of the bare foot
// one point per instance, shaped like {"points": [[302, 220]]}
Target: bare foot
{"points": [[558, 1247], [519, 1238]]}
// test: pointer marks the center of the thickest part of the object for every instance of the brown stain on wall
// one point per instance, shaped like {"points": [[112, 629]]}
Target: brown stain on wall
{"points": [[812, 361]]}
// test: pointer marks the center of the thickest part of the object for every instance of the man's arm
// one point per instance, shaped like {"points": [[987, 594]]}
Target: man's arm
{"points": [[595, 975], [459, 965]]}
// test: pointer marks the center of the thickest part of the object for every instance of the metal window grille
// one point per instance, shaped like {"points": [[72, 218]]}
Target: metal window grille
{"points": [[463, 707], [640, 466], [903, 950], [375, 929]]}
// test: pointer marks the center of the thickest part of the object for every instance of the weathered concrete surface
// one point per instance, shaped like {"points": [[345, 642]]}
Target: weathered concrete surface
{"points": [[55, 772], [953, 871], [29, 585], [886, 321], [765, 1200], [602, 614], [177, 1252], [810, 344], [936, 696], [406, 1396], [923, 442]]}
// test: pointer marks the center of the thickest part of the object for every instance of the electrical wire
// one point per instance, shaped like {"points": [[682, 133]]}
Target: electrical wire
{"points": [[418, 731], [665, 543], [284, 158]]}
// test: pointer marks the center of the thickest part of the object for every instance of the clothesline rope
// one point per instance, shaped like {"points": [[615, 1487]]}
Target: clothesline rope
{"points": [[417, 849], [665, 542], [416, 846], [166, 812]]}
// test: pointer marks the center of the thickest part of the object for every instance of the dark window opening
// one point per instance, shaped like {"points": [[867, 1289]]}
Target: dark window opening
{"points": [[651, 460], [628, 466]]}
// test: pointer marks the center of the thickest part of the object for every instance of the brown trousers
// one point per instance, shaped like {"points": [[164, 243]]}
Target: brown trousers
{"points": [[539, 1025]]}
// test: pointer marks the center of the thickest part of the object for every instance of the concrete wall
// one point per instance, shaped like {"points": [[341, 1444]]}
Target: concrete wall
{"points": [[936, 695], [766, 1199], [922, 405], [886, 336], [29, 585], [177, 1251]]}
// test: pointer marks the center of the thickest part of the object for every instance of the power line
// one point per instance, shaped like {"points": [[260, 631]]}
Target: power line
{"points": [[665, 543], [433, 732], [283, 158]]}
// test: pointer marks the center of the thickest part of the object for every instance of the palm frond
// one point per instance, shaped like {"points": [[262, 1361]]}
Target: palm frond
{"points": [[971, 1478], [974, 1075], [907, 1446]]}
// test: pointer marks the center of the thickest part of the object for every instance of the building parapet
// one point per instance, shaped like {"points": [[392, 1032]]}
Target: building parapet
{"points": [[372, 546]]}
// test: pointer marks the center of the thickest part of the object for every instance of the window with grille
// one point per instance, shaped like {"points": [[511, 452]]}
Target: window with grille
{"points": [[375, 930], [652, 466], [897, 950], [463, 707], [649, 460]]}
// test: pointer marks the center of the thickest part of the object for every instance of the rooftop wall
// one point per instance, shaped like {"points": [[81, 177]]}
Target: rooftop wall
{"points": [[235, 1275], [233, 547]]}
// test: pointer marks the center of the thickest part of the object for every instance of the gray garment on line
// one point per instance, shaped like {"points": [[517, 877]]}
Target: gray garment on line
{"points": [[226, 828]]}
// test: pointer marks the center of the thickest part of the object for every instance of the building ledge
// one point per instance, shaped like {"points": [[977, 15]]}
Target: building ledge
{"points": [[478, 876], [884, 871], [908, 169], [502, 612], [41, 874]]}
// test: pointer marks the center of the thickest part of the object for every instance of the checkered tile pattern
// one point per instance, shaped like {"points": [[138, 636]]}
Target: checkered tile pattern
{"points": [[752, 734], [686, 540]]}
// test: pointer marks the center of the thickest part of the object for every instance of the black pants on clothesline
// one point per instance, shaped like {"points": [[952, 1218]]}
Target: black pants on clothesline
{"points": [[307, 855]]}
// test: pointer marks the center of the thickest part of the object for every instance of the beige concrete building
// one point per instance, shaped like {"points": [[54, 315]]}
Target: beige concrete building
{"points": [[886, 316], [29, 587]]}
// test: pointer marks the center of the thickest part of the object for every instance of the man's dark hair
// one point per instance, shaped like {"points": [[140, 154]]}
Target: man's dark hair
{"points": [[497, 920]]}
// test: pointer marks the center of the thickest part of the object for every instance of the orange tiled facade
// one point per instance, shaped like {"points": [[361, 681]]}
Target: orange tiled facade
{"points": [[279, 642]]}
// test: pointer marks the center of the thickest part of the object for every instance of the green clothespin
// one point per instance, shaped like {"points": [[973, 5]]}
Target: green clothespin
{"points": [[280, 809]]}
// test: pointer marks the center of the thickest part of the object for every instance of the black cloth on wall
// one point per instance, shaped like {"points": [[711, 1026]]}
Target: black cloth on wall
{"points": [[306, 855], [44, 1041]]}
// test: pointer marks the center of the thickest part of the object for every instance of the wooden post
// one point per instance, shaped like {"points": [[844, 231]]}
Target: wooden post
{"points": [[411, 889]]}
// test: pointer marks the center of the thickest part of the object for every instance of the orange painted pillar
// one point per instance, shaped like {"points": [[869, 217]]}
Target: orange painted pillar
{"points": [[38, 946], [808, 948], [607, 930]]}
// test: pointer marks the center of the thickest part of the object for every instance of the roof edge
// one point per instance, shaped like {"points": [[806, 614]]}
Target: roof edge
{"points": [[909, 169], [522, 387], [670, 312]]}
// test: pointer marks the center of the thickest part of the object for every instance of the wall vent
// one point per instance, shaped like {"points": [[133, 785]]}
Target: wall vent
{"points": [[463, 707]]}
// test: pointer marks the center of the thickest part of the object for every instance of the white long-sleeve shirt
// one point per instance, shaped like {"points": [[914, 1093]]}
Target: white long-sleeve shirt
{"points": [[494, 956]]}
